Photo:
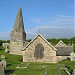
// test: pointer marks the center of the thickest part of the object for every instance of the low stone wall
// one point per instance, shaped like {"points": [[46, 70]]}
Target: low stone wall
{"points": [[60, 58]]}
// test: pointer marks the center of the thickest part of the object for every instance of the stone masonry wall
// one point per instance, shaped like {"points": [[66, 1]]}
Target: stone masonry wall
{"points": [[16, 48]]}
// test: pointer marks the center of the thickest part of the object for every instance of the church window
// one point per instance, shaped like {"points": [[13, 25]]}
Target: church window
{"points": [[39, 51]]}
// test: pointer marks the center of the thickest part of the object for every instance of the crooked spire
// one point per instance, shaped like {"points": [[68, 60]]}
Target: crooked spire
{"points": [[18, 32], [19, 25]]}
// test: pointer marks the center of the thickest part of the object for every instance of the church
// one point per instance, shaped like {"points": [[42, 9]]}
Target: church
{"points": [[38, 49]]}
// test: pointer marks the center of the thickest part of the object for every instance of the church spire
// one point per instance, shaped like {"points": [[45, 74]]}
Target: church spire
{"points": [[18, 33], [19, 25]]}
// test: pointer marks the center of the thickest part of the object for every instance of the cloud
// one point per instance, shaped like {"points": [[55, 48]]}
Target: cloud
{"points": [[59, 20], [31, 33], [4, 35], [59, 27], [37, 20]]}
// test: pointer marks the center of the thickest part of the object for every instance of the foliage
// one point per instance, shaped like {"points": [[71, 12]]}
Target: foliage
{"points": [[28, 40], [55, 41], [73, 39], [65, 40], [74, 47], [4, 41]]}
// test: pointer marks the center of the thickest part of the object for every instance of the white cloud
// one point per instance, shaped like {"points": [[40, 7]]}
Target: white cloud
{"points": [[4, 35], [31, 33], [37, 20], [59, 20], [61, 26]]}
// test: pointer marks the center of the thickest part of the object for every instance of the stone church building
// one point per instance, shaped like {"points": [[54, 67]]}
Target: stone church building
{"points": [[38, 49]]}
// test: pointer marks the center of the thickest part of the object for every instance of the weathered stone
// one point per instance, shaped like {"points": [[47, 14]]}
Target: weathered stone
{"points": [[72, 56], [3, 56], [6, 50], [4, 63], [1, 69], [18, 35], [73, 72], [5, 45], [49, 52]]}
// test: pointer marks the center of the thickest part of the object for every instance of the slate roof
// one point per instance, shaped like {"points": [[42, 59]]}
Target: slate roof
{"points": [[64, 51]]}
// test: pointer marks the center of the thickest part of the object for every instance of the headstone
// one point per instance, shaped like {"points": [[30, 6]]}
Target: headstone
{"points": [[72, 56], [43, 66], [46, 73], [73, 72], [4, 63], [3, 56], [1, 69], [5, 45], [6, 50]]}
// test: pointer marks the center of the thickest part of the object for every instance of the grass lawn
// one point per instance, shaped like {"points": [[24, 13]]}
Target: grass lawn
{"points": [[34, 68]]}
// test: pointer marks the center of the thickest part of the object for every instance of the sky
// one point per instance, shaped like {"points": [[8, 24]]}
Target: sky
{"points": [[50, 18]]}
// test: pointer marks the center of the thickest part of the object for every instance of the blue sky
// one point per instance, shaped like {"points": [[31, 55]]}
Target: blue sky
{"points": [[54, 18]]}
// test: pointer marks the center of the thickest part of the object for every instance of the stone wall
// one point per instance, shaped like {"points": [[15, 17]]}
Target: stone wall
{"points": [[60, 58], [16, 48]]}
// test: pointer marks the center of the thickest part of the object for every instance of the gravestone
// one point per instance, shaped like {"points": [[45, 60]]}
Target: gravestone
{"points": [[4, 63], [5, 45], [1, 69], [6, 50], [72, 56], [2, 56], [73, 72], [46, 73]]}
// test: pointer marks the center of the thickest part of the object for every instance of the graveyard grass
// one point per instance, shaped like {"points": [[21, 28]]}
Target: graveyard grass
{"points": [[34, 68]]}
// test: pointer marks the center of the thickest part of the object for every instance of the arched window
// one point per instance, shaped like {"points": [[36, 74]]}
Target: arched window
{"points": [[39, 51]]}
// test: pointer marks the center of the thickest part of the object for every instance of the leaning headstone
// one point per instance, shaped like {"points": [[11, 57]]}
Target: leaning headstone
{"points": [[73, 72], [4, 63], [2, 56], [1, 69]]}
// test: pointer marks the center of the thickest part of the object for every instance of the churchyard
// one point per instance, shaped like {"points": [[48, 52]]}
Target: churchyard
{"points": [[15, 66]]}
